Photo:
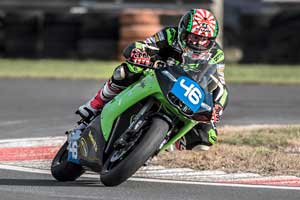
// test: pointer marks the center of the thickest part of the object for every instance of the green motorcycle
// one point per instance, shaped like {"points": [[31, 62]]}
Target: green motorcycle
{"points": [[144, 119]]}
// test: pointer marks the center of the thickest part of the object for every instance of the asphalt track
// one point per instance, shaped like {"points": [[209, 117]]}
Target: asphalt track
{"points": [[32, 186], [37, 108]]}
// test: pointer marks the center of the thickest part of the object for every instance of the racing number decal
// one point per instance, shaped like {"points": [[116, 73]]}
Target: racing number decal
{"points": [[189, 92], [73, 150], [73, 146], [194, 94]]}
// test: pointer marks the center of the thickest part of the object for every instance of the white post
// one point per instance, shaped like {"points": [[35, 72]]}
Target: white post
{"points": [[218, 10]]}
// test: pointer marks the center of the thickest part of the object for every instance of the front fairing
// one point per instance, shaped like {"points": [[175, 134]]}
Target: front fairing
{"points": [[195, 72], [158, 84]]}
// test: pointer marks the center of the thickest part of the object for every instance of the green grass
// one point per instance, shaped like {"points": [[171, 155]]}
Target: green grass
{"points": [[70, 69], [267, 150], [89, 69]]}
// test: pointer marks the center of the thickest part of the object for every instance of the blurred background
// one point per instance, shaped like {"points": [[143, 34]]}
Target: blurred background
{"points": [[254, 31]]}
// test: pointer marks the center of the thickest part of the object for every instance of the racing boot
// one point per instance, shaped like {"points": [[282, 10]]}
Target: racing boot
{"points": [[182, 145], [94, 106], [91, 108], [200, 138]]}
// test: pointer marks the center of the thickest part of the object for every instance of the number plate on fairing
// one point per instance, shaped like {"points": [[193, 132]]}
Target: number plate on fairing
{"points": [[72, 148], [189, 92]]}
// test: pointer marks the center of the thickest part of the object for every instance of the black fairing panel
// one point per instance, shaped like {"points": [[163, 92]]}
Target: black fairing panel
{"points": [[91, 146]]}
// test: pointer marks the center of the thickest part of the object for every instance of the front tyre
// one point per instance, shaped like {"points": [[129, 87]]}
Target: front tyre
{"points": [[61, 169], [112, 175]]}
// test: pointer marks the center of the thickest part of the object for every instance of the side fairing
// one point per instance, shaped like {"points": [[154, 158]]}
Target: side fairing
{"points": [[145, 87], [91, 146]]}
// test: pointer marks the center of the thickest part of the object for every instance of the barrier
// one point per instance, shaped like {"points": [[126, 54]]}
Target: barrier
{"points": [[136, 25]]}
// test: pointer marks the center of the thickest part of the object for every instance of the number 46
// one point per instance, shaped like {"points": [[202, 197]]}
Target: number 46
{"points": [[192, 93]]}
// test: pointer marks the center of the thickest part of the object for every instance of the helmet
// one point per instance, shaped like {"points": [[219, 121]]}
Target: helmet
{"points": [[197, 30]]}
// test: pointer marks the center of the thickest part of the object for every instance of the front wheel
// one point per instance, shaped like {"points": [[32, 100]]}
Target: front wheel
{"points": [[115, 172], [61, 169]]}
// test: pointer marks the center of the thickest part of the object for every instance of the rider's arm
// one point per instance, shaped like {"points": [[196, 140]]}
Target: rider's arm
{"points": [[152, 44], [220, 95], [222, 98]]}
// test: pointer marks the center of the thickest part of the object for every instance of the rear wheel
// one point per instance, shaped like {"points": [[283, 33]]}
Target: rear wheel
{"points": [[118, 169], [61, 169]]}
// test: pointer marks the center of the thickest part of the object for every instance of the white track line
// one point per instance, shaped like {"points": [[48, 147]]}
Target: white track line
{"points": [[146, 174], [39, 171]]}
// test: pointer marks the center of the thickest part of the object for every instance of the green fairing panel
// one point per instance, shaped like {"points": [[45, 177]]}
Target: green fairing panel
{"points": [[133, 94], [148, 86], [189, 124]]}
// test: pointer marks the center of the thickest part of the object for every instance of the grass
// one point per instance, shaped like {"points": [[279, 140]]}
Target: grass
{"points": [[89, 69], [70, 69], [258, 149]]}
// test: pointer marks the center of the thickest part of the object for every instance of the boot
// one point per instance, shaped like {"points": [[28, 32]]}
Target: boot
{"points": [[94, 106], [90, 109]]}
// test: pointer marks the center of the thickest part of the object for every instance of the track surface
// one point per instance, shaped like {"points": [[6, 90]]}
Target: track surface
{"points": [[31, 108], [20, 186], [37, 108]]}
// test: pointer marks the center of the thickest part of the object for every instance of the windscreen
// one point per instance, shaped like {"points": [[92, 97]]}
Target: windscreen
{"points": [[199, 70]]}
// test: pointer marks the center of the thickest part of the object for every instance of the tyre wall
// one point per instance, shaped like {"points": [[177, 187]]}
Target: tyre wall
{"points": [[136, 25], [58, 35], [104, 35], [275, 41]]}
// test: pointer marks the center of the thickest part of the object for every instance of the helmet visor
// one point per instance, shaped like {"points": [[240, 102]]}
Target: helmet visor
{"points": [[198, 42]]}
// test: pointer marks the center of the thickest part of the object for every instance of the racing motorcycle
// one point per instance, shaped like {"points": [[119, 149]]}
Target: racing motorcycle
{"points": [[143, 120]]}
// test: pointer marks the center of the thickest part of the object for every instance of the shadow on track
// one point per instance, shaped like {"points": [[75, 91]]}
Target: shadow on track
{"points": [[52, 183]]}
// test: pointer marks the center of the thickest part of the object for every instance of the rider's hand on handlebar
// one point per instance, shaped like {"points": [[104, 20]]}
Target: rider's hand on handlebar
{"points": [[217, 112], [139, 56]]}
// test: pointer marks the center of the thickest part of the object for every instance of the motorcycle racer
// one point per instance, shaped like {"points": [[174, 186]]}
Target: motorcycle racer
{"points": [[195, 35]]}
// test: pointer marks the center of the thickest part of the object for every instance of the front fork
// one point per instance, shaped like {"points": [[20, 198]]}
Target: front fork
{"points": [[137, 123]]}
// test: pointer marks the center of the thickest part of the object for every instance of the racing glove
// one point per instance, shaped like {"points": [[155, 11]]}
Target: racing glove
{"points": [[217, 112], [139, 56]]}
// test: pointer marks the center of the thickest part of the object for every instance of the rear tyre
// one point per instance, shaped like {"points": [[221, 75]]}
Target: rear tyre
{"points": [[61, 169], [114, 174]]}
